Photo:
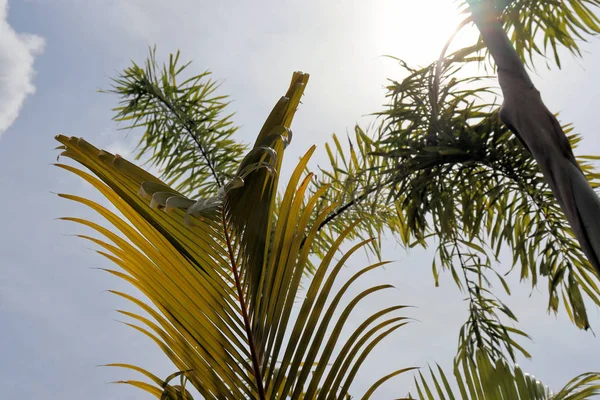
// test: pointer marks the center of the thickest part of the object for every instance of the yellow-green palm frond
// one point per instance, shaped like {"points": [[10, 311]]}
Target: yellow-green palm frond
{"points": [[485, 379], [223, 274]]}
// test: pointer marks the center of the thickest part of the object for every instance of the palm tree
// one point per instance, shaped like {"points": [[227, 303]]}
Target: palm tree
{"points": [[443, 162], [222, 279]]}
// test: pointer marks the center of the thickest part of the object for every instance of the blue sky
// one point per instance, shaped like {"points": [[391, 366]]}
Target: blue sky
{"points": [[56, 320]]}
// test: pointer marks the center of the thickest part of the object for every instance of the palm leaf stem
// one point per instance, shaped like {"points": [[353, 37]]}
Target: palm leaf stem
{"points": [[249, 334]]}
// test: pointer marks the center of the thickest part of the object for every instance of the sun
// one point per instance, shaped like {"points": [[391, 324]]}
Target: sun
{"points": [[417, 30]]}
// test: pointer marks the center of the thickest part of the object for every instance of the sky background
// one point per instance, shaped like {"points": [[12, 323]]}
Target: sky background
{"points": [[57, 322]]}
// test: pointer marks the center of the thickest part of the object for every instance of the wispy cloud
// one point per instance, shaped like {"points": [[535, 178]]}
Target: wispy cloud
{"points": [[17, 55]]}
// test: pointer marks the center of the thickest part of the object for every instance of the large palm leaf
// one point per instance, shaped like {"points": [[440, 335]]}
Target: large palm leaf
{"points": [[223, 273]]}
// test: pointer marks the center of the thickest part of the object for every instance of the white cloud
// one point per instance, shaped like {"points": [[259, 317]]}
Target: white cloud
{"points": [[17, 55]]}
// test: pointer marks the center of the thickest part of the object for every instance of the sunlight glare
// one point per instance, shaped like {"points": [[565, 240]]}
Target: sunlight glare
{"points": [[417, 30]]}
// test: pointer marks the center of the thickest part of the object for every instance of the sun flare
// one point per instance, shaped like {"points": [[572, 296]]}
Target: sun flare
{"points": [[417, 30]]}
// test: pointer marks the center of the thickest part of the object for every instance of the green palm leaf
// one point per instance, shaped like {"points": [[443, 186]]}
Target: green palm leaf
{"points": [[484, 379], [222, 283], [186, 134]]}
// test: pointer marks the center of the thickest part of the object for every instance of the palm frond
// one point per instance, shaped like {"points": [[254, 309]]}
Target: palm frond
{"points": [[472, 177], [451, 173], [221, 283], [351, 176], [484, 379], [185, 132]]}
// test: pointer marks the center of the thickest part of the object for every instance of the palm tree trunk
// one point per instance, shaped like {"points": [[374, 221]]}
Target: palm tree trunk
{"points": [[525, 114]]}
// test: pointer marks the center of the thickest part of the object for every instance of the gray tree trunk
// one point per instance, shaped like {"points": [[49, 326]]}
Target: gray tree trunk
{"points": [[525, 114]]}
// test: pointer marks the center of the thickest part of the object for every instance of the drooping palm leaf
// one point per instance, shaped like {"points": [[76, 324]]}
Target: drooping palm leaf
{"points": [[478, 184], [222, 283], [450, 172]]}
